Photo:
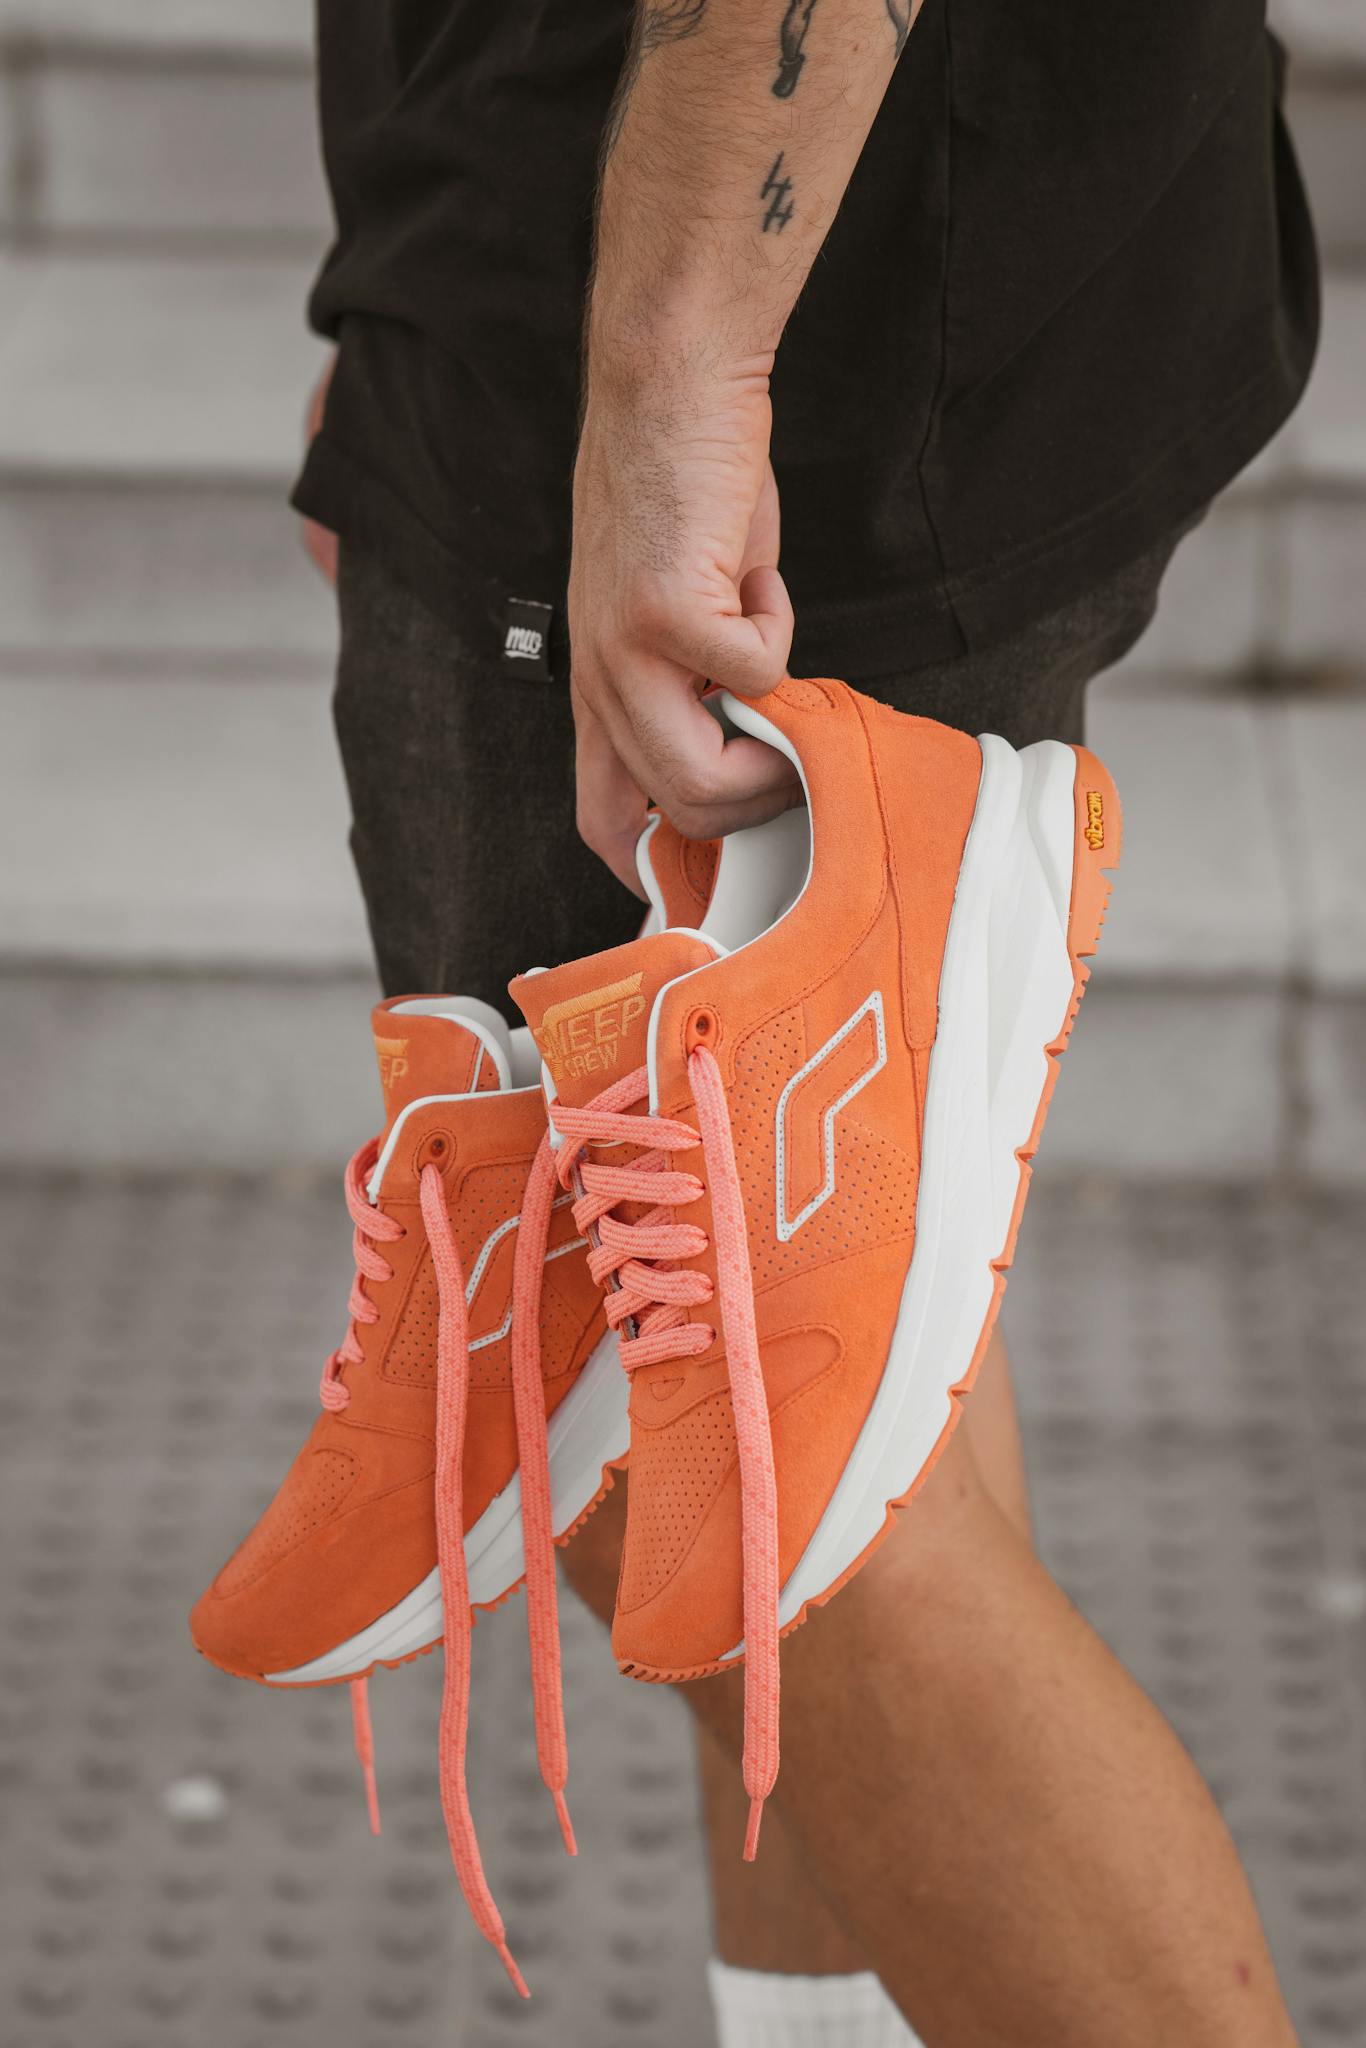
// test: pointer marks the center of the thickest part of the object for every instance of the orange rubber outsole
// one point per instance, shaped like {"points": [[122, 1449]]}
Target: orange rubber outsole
{"points": [[609, 1474], [1097, 842]]}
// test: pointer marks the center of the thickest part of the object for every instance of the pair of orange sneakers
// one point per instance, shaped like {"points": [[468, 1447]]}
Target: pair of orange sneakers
{"points": [[770, 1158]]}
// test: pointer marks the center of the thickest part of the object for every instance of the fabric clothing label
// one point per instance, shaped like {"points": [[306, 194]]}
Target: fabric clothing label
{"points": [[526, 639]]}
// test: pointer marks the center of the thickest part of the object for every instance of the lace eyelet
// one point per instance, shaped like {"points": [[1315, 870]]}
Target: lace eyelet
{"points": [[703, 1027], [437, 1149]]}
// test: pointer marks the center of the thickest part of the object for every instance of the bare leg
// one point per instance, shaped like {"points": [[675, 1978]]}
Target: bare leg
{"points": [[1013, 1839], [768, 1915], [1013, 1835]]}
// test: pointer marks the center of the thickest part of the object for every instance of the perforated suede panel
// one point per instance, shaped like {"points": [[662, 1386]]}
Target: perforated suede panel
{"points": [[875, 1178], [487, 1199], [806, 696], [676, 1474], [317, 1484], [411, 1357], [699, 867]]}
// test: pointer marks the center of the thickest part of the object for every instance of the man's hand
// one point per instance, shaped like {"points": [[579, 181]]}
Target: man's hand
{"points": [[675, 584], [733, 138], [320, 541]]}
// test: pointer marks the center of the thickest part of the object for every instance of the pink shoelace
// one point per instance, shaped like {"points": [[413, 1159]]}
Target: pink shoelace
{"points": [[642, 1265], [373, 1228]]}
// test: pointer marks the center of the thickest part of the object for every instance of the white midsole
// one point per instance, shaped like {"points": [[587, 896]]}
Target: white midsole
{"points": [[1005, 989], [588, 1431]]}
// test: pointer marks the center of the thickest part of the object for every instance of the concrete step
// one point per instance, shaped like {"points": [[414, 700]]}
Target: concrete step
{"points": [[1327, 113], [1325, 34], [132, 368], [157, 575], [160, 25], [142, 366], [195, 122], [150, 421], [112, 1070], [205, 151], [201, 822], [149, 424], [196, 822]]}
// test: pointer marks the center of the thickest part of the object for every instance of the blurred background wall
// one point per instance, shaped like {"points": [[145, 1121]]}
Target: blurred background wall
{"points": [[172, 810]]}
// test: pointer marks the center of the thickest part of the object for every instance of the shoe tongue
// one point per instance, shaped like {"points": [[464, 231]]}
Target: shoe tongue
{"points": [[424, 1045], [591, 1019]]}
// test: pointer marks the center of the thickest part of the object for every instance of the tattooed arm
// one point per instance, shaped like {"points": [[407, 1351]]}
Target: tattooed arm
{"points": [[736, 128]]}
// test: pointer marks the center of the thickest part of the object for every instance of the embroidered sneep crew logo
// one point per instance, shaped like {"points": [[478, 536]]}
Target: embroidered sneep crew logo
{"points": [[526, 639], [804, 1138], [584, 1035], [392, 1054], [1095, 821]]}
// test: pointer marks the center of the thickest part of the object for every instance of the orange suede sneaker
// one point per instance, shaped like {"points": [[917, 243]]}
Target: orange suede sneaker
{"points": [[799, 1139], [470, 1416], [476, 1394]]}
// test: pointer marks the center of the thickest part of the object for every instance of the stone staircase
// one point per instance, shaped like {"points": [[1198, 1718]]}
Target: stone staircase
{"points": [[183, 962]]}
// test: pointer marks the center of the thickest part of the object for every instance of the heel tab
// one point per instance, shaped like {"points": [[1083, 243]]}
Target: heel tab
{"points": [[1099, 842]]}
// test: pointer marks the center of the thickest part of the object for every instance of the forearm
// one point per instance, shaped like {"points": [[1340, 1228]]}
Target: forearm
{"points": [[735, 133], [736, 130]]}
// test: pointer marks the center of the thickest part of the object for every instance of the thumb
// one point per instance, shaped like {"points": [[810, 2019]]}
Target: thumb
{"points": [[749, 654]]}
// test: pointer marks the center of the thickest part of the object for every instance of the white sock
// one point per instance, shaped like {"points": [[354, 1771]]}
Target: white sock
{"points": [[761, 2009]]}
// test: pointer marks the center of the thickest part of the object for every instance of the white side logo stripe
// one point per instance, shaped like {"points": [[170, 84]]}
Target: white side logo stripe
{"points": [[486, 1251], [788, 1226]]}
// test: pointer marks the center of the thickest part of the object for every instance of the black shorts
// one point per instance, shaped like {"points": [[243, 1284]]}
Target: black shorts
{"points": [[462, 780]]}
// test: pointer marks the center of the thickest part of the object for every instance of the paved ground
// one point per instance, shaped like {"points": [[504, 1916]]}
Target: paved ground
{"points": [[185, 1860]]}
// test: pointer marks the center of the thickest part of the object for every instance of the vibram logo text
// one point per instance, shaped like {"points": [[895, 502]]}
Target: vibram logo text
{"points": [[583, 1035], [1095, 821]]}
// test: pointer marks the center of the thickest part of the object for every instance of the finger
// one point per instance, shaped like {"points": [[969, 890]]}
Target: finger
{"points": [[675, 750], [610, 807], [748, 654], [317, 401], [715, 821], [321, 544]]}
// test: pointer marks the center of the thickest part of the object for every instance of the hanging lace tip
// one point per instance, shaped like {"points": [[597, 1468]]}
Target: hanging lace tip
{"points": [[365, 1747], [372, 1798], [566, 1824], [756, 1814], [509, 1963]]}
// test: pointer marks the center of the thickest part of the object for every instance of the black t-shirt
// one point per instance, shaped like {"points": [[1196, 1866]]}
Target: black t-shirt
{"points": [[1070, 292]]}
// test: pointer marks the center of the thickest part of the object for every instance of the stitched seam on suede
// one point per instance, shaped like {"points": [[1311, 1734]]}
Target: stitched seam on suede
{"points": [[889, 845], [833, 1101], [453, 1201], [873, 1244], [898, 897], [579, 1356], [282, 1556], [666, 1423], [788, 1401], [801, 995], [389, 1429], [397, 1379]]}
